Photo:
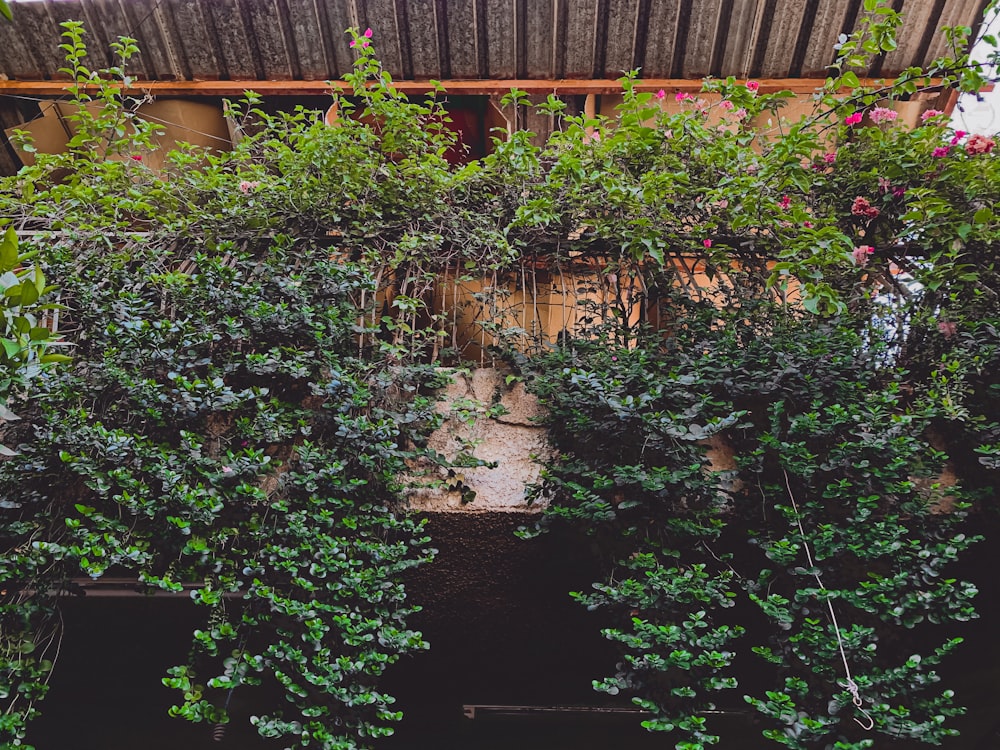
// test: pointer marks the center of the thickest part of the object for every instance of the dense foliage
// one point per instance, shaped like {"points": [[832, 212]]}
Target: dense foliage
{"points": [[787, 334]]}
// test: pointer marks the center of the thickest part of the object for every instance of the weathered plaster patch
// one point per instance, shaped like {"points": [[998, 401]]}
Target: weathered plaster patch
{"points": [[495, 423]]}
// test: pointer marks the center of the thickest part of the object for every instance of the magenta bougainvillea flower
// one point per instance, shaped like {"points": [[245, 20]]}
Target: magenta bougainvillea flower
{"points": [[940, 151], [929, 114], [853, 119], [753, 85], [947, 328], [706, 243], [661, 94]]}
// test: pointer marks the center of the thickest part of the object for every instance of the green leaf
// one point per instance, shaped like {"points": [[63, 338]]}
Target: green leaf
{"points": [[850, 79], [8, 248], [46, 359]]}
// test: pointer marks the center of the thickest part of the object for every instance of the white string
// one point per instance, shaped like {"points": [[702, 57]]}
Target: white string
{"points": [[851, 685]]}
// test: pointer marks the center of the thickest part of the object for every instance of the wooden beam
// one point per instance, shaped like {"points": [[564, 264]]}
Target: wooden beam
{"points": [[308, 88]]}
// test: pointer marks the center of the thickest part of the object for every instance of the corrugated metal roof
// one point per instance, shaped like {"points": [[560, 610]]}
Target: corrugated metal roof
{"points": [[469, 39]]}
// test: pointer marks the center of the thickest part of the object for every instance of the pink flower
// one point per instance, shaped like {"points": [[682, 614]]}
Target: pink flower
{"points": [[740, 113], [940, 151], [959, 135], [929, 114], [136, 157], [854, 119], [226, 470], [367, 34], [727, 105], [830, 158], [947, 328], [365, 43], [898, 192], [753, 86], [353, 43], [785, 202], [706, 243], [979, 144], [862, 253], [681, 96], [246, 186], [883, 114], [862, 207], [661, 94], [807, 224]]}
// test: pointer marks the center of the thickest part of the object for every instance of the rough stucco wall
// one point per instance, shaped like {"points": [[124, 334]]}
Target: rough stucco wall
{"points": [[513, 440]]}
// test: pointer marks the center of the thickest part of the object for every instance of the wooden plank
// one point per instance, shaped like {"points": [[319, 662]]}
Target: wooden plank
{"points": [[41, 38], [661, 40], [540, 38], [703, 26], [620, 50], [782, 37], [501, 40], [235, 48], [916, 17], [475, 87], [388, 38], [579, 23], [340, 16], [269, 24], [955, 13], [198, 42], [463, 56], [306, 33], [829, 20], [423, 35], [738, 51]]}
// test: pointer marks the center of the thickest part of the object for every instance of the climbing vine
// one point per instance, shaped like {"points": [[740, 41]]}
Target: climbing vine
{"points": [[772, 404]]}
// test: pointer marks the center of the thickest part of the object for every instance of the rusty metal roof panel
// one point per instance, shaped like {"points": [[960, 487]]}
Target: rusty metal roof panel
{"points": [[469, 39]]}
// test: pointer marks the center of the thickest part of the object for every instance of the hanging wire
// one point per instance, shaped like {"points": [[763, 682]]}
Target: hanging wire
{"points": [[850, 684]]}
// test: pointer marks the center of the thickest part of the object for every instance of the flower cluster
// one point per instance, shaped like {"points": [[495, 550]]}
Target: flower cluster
{"points": [[979, 144], [364, 42], [862, 253], [862, 207], [883, 114], [929, 114], [246, 186]]}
